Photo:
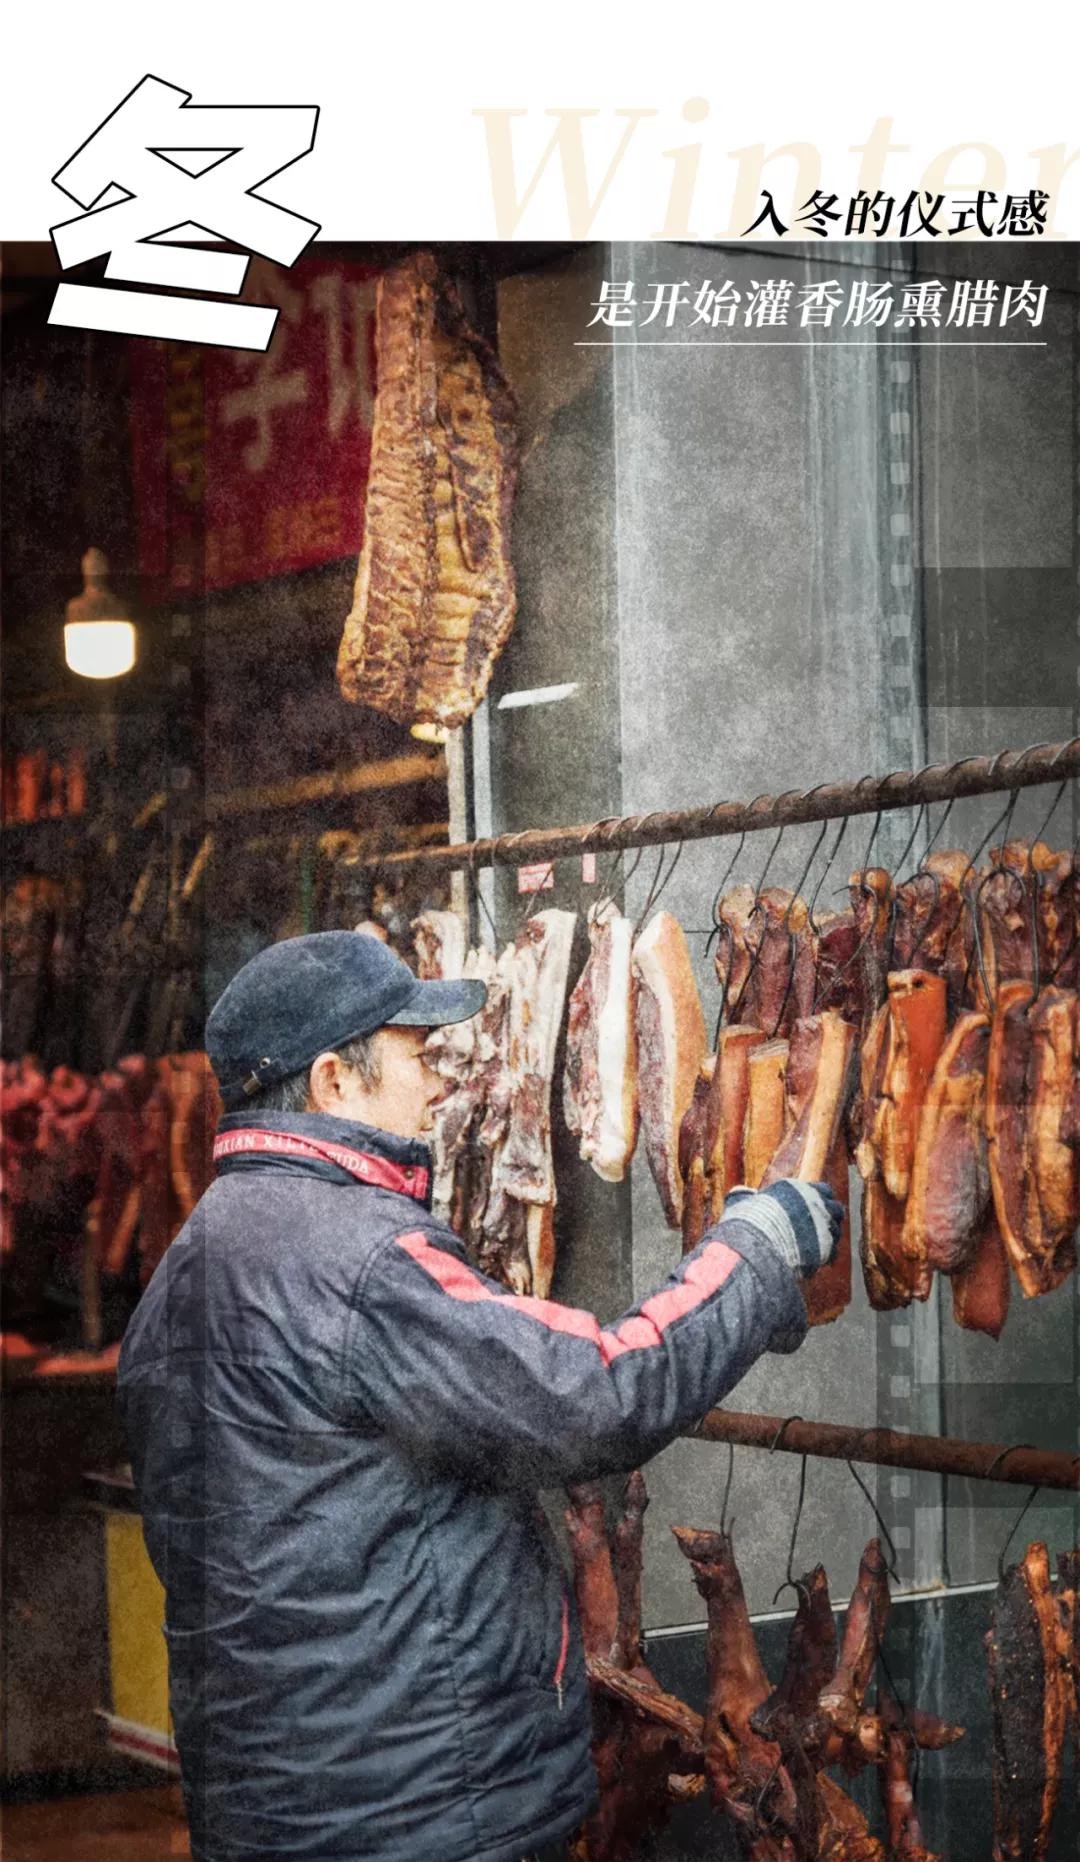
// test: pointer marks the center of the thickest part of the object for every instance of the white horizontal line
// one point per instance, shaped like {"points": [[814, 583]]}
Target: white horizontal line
{"points": [[767, 342], [539, 695]]}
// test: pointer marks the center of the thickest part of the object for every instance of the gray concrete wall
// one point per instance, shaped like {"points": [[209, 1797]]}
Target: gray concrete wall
{"points": [[768, 567]]}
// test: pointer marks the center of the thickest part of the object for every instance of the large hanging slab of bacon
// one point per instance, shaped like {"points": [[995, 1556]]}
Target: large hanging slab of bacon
{"points": [[871, 893], [434, 601], [891, 1278], [1029, 1702], [671, 1047], [950, 1176], [600, 1085], [817, 1081], [917, 1017], [780, 981], [981, 1290], [1027, 904], [725, 1114], [766, 1109], [1026, 1105], [931, 923]]}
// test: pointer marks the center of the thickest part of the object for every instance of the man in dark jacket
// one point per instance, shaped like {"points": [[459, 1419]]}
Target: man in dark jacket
{"points": [[338, 1428]]}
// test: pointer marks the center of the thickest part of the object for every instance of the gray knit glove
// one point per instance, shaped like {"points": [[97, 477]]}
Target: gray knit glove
{"points": [[802, 1220]]}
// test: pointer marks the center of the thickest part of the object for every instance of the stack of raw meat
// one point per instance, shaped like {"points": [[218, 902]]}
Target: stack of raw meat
{"points": [[91, 1162], [494, 1176]]}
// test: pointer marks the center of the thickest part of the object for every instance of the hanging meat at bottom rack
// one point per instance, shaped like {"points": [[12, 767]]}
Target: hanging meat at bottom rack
{"points": [[760, 1751], [1033, 1653]]}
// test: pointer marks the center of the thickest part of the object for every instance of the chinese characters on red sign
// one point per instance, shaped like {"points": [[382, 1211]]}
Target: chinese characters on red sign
{"points": [[249, 465]]}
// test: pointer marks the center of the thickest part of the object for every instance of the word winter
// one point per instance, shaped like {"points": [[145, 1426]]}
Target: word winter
{"points": [[927, 303], [156, 178]]}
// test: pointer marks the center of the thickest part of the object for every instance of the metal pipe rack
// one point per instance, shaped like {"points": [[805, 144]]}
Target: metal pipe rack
{"points": [[1020, 1465], [1009, 770]]}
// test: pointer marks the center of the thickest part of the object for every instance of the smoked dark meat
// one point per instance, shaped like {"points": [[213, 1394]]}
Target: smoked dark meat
{"points": [[434, 601]]}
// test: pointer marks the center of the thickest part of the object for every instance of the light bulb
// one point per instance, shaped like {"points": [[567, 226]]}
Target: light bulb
{"points": [[99, 649]]}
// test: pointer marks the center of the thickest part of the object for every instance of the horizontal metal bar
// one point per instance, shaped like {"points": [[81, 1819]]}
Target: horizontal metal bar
{"points": [[1020, 1465], [397, 772], [974, 775]]}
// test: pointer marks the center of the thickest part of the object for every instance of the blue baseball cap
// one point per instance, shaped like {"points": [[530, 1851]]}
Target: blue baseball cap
{"points": [[307, 994]]}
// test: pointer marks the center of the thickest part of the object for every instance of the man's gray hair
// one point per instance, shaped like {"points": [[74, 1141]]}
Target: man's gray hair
{"points": [[292, 1094]]}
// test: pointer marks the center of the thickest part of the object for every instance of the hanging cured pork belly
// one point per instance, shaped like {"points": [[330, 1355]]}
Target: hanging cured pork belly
{"points": [[930, 922], [517, 1239], [671, 1046], [1029, 1699], [899, 1054], [1032, 1170], [766, 1109], [778, 980], [725, 1115], [1027, 901], [467, 1055], [600, 1087], [917, 1010], [981, 1290], [871, 901], [839, 979], [817, 1081], [950, 1178], [434, 599]]}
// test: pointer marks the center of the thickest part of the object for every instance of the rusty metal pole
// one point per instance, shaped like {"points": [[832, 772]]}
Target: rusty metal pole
{"points": [[975, 775], [1020, 1465]]}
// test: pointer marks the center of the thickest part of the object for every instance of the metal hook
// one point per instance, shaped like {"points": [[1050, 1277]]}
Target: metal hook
{"points": [[474, 883], [1016, 1522], [890, 1562], [789, 1580], [724, 1527], [830, 861]]}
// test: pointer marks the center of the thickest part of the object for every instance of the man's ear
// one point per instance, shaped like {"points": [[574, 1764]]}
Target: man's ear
{"points": [[323, 1082]]}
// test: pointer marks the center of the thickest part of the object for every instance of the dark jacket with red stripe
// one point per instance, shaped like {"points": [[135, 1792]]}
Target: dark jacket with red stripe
{"points": [[338, 1429]]}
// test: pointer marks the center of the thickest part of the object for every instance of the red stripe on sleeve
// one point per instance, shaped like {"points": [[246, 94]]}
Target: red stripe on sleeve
{"points": [[702, 1279]]}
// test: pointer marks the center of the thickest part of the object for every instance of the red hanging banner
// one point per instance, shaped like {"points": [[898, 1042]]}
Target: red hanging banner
{"points": [[261, 458]]}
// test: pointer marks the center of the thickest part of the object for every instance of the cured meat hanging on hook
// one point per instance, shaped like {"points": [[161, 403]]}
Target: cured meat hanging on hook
{"points": [[871, 893], [1026, 1109], [434, 601], [931, 923], [982, 1289], [950, 1178], [744, 1770], [1029, 1701], [600, 1087], [817, 1081], [671, 1046], [1026, 905]]}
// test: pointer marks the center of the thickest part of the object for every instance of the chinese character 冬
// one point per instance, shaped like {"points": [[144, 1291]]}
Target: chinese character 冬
{"points": [[869, 303], [717, 306], [667, 297], [921, 304], [615, 304], [768, 302], [816, 211], [146, 185], [973, 303]]}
